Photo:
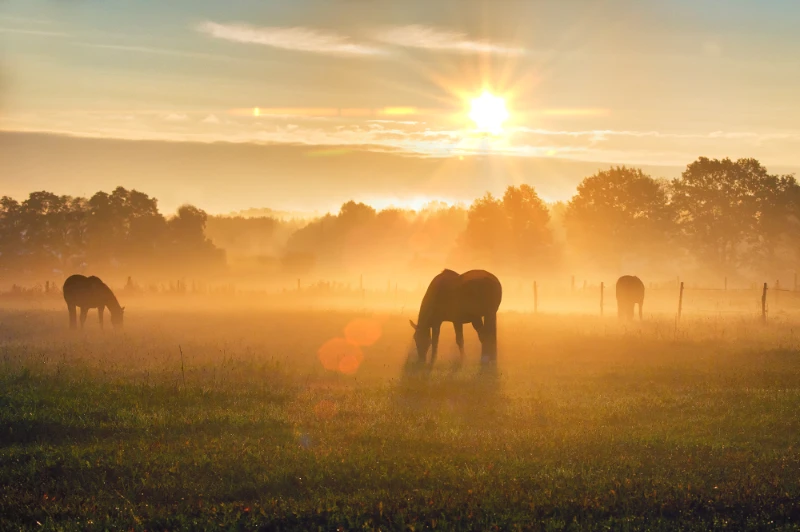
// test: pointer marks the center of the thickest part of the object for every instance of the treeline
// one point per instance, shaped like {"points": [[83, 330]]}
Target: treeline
{"points": [[122, 230], [720, 217]]}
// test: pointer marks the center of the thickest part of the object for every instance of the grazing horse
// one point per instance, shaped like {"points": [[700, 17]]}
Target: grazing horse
{"points": [[630, 291], [472, 297], [87, 293]]}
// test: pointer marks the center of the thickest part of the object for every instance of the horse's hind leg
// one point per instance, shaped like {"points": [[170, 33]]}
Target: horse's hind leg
{"points": [[459, 327], [73, 317], [489, 342], [477, 324]]}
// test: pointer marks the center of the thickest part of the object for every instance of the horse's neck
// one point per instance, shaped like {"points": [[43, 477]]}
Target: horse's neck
{"points": [[111, 300]]}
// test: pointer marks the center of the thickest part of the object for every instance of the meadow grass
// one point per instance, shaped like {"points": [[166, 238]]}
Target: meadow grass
{"points": [[200, 420]]}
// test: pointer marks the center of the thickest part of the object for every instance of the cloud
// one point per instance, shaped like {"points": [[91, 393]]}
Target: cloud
{"points": [[38, 33], [292, 38], [430, 38], [428, 139]]}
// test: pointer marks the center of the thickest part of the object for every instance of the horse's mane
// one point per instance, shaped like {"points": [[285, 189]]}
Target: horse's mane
{"points": [[431, 294], [112, 303]]}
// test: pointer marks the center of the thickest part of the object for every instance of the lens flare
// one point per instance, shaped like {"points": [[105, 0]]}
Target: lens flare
{"points": [[340, 355]]}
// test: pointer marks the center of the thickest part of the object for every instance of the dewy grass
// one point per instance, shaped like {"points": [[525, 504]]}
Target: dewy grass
{"points": [[586, 424]]}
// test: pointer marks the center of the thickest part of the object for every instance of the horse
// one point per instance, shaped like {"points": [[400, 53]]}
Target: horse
{"points": [[87, 293], [472, 297], [630, 291]]}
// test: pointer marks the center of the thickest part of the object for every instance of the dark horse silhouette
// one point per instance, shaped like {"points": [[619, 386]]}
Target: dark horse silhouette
{"points": [[87, 293], [630, 291], [472, 297]]}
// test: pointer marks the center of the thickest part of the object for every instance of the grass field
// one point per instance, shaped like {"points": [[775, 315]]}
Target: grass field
{"points": [[230, 420]]}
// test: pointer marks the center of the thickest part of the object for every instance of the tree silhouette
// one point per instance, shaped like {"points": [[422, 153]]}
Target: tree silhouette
{"points": [[733, 213], [618, 216], [511, 233], [123, 229]]}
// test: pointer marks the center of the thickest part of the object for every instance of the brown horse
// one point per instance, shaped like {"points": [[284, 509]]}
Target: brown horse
{"points": [[88, 293], [630, 292], [472, 297]]}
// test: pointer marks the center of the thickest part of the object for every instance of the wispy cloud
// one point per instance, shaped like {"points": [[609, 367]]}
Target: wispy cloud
{"points": [[293, 38], [430, 38], [40, 33], [429, 139]]}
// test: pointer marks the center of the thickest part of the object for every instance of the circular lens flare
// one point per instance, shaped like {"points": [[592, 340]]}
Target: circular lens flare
{"points": [[489, 112]]}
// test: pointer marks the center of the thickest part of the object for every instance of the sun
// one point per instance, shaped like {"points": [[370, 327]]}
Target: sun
{"points": [[489, 112]]}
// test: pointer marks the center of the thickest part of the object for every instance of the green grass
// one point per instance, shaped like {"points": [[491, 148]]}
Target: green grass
{"points": [[585, 425]]}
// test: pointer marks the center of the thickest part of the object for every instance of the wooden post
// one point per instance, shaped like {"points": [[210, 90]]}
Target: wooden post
{"points": [[535, 298], [795, 281], [573, 283], [602, 286], [726, 282], [764, 304], [680, 301]]}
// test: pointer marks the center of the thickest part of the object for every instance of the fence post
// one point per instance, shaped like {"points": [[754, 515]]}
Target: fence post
{"points": [[298, 284], [764, 304], [602, 285], [584, 285], [777, 289], [535, 298], [680, 301], [726, 282], [795, 281], [573, 283]]}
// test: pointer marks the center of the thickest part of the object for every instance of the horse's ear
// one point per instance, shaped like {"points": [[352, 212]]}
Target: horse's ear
{"points": [[413, 325]]}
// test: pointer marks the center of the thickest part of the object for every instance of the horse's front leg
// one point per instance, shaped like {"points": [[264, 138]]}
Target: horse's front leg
{"points": [[477, 324], [100, 315], [73, 317], [435, 341], [84, 313]]}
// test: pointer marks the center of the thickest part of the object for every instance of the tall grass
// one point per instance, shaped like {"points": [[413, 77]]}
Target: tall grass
{"points": [[586, 424]]}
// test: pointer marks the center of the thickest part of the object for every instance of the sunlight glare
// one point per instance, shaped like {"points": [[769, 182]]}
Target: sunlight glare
{"points": [[489, 112]]}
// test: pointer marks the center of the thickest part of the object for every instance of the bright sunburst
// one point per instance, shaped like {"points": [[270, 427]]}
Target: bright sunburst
{"points": [[489, 112]]}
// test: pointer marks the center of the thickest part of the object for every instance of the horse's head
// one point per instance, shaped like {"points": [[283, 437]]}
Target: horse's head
{"points": [[116, 317], [422, 337]]}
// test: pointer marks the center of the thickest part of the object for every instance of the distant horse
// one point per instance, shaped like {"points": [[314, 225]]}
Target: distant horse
{"points": [[472, 297], [630, 291], [87, 293]]}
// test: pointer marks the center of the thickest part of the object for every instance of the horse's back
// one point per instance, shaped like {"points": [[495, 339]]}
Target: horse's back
{"points": [[481, 291], [81, 290], [631, 286]]}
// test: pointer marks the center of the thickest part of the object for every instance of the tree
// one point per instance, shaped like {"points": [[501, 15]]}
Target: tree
{"points": [[733, 211], [528, 219], [620, 215], [511, 233]]}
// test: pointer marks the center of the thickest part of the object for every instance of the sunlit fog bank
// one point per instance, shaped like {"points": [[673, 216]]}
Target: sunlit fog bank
{"points": [[722, 223]]}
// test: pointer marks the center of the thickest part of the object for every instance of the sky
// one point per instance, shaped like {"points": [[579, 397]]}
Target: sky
{"points": [[309, 102]]}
